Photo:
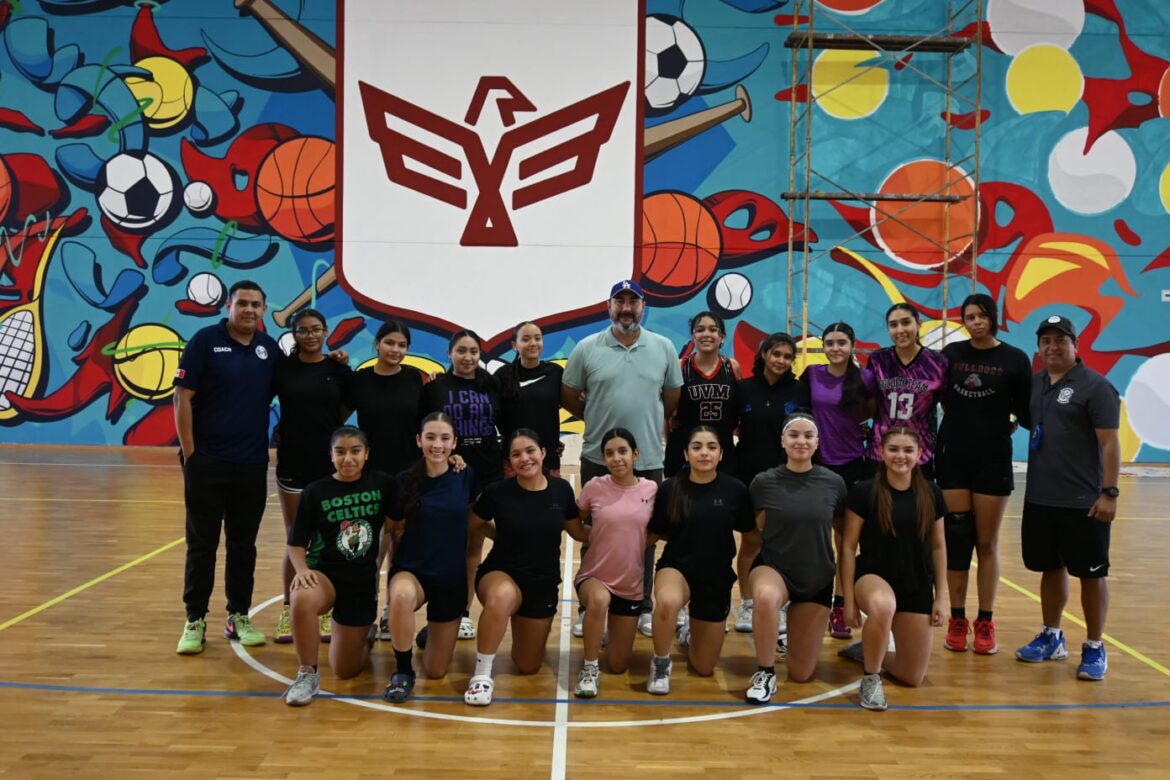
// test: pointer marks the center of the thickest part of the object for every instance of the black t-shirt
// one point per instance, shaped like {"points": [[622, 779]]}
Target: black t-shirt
{"points": [[529, 524], [473, 404], [984, 387], [705, 400], [339, 525], [903, 559], [535, 404], [387, 410], [311, 399], [762, 409], [702, 545]]}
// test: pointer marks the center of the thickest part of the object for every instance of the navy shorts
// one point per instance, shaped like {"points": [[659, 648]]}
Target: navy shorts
{"points": [[446, 601], [1059, 538]]}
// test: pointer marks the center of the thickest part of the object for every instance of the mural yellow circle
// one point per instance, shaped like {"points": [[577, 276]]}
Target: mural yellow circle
{"points": [[846, 87], [1044, 78], [1164, 187], [170, 92], [145, 360]]}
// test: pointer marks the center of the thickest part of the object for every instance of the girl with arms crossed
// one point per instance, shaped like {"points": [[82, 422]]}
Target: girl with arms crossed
{"points": [[333, 546], [519, 581], [896, 517], [797, 505], [696, 513], [609, 581]]}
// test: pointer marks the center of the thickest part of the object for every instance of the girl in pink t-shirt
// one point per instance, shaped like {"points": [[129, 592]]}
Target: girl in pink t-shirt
{"points": [[610, 578]]}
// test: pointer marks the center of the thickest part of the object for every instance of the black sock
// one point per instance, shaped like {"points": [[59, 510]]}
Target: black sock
{"points": [[403, 659], [838, 601], [984, 614], [314, 668], [767, 670], [959, 612]]}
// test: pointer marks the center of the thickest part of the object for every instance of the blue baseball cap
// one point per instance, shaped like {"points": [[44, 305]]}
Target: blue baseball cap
{"points": [[627, 284]]}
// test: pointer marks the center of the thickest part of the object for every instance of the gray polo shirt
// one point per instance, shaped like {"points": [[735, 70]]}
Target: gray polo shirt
{"points": [[623, 389], [1064, 470], [798, 524]]}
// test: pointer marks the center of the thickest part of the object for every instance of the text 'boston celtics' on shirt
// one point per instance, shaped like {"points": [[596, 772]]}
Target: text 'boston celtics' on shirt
{"points": [[340, 523]]}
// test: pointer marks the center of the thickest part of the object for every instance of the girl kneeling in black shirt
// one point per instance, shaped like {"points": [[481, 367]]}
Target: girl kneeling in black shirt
{"points": [[333, 546], [519, 581], [696, 511], [897, 577]]}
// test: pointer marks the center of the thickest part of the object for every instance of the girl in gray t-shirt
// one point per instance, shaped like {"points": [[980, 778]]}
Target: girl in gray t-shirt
{"points": [[796, 505]]}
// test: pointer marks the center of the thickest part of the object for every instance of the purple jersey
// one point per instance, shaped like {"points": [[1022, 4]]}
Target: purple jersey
{"points": [[908, 395], [842, 438]]}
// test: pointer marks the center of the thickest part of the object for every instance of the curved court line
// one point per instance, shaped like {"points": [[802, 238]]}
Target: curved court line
{"points": [[794, 705], [1150, 662], [95, 581], [240, 651]]}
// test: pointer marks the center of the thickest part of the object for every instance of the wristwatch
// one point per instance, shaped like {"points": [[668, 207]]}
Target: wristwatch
{"points": [[1111, 492]]}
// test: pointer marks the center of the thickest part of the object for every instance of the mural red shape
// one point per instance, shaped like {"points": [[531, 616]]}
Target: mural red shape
{"points": [[1125, 233], [155, 429], [345, 330], [145, 42], [85, 127], [766, 231], [18, 122], [966, 121], [35, 188], [129, 244]]}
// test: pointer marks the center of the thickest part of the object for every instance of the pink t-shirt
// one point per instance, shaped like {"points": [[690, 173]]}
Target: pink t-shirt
{"points": [[617, 543]]}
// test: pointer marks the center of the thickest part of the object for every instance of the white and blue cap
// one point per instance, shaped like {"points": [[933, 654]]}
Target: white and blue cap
{"points": [[627, 285], [1056, 322]]}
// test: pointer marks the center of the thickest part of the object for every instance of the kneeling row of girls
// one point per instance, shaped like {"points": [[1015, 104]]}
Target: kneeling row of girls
{"points": [[431, 511]]}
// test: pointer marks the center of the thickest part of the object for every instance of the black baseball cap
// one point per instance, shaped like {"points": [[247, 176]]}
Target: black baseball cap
{"points": [[627, 284], [1056, 322]]}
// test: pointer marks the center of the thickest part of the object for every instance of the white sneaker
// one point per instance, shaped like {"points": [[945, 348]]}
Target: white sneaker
{"points": [[579, 625], [682, 617], [646, 624], [384, 625], [782, 646], [682, 634], [743, 617], [588, 681], [761, 688], [304, 688], [784, 619], [466, 628], [659, 682]]}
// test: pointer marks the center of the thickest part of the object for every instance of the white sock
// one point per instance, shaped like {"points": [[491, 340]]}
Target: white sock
{"points": [[1094, 643], [594, 663], [483, 664], [1051, 630], [746, 602]]}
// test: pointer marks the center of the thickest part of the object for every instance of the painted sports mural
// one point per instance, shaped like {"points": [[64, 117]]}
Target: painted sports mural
{"points": [[472, 164]]}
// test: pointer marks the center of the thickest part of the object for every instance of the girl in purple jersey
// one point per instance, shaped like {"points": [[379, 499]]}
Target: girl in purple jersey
{"points": [[842, 400], [910, 381]]}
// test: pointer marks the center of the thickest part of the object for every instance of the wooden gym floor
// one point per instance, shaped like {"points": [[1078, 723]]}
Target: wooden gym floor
{"points": [[90, 686]]}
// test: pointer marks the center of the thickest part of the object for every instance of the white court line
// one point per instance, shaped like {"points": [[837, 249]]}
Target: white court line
{"points": [[561, 716]]}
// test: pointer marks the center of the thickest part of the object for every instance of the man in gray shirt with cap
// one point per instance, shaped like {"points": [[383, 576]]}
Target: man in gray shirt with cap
{"points": [[1074, 461]]}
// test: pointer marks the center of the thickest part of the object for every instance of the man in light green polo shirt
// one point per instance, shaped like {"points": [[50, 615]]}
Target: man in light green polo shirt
{"points": [[625, 376]]}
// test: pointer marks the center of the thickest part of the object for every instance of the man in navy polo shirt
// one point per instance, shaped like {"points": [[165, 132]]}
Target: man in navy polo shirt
{"points": [[223, 388]]}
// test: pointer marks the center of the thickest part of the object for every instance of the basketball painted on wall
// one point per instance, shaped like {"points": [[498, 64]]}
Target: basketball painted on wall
{"points": [[680, 246], [295, 189]]}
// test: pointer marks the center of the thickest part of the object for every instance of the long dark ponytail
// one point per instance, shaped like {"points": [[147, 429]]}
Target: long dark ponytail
{"points": [[410, 488]]}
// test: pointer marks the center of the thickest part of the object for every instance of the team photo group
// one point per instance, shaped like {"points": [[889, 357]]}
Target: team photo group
{"points": [[850, 500]]}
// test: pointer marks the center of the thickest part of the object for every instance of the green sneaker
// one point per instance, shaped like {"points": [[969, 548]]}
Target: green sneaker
{"points": [[239, 627], [191, 642], [327, 626], [283, 633]]}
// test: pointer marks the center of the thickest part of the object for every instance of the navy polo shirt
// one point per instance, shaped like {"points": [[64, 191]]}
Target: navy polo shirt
{"points": [[233, 389]]}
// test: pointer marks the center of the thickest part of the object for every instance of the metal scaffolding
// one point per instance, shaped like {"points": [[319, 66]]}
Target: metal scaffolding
{"points": [[961, 35]]}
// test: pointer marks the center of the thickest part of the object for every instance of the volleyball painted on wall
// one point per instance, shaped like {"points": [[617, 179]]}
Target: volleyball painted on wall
{"points": [[377, 166]]}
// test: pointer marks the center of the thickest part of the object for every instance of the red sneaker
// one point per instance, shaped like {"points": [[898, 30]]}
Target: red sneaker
{"points": [[838, 628], [957, 630], [985, 637]]}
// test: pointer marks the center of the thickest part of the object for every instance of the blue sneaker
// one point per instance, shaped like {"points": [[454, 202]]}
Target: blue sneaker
{"points": [[1093, 663], [1046, 646]]}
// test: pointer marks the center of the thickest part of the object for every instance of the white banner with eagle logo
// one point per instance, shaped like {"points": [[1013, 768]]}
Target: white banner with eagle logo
{"points": [[491, 158]]}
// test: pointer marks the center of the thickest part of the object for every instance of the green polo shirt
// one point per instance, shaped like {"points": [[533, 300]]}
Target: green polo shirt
{"points": [[623, 389]]}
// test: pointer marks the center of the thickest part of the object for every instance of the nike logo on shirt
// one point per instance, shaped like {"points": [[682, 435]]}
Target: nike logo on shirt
{"points": [[527, 382]]}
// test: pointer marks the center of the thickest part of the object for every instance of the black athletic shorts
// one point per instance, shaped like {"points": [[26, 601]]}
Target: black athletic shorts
{"points": [[824, 596], [357, 601], [622, 607], [983, 470], [538, 597], [291, 483], [710, 601], [852, 472], [919, 600], [1060, 538], [446, 601]]}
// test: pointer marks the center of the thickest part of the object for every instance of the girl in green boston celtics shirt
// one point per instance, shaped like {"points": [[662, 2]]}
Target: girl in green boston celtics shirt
{"points": [[333, 546]]}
